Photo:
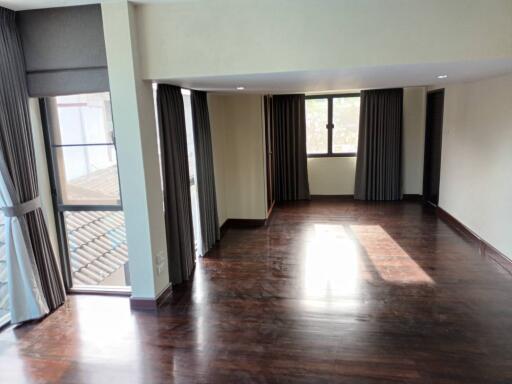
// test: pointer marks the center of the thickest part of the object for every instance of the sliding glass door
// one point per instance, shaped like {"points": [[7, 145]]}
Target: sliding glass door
{"points": [[81, 150], [194, 197]]}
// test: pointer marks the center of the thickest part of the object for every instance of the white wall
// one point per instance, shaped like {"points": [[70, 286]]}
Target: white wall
{"points": [[222, 37], [137, 152], [476, 162], [239, 155], [336, 175], [331, 175]]}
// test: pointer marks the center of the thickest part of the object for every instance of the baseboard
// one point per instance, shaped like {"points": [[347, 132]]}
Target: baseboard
{"points": [[143, 304], [332, 197], [485, 249], [223, 228], [405, 197], [412, 197]]}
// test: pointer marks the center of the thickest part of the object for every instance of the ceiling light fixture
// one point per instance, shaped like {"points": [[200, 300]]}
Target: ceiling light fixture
{"points": [[240, 88], [442, 76]]}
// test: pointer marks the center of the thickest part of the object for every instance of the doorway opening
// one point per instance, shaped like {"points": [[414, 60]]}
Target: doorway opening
{"points": [[433, 145], [194, 196]]}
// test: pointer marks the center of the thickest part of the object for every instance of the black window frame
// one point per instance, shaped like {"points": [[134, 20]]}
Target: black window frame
{"points": [[59, 208], [330, 125]]}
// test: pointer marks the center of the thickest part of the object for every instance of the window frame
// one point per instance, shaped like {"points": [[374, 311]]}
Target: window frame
{"points": [[60, 208], [330, 126]]}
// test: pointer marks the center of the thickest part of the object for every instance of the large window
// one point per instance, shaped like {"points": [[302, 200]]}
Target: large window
{"points": [[81, 147], [332, 125]]}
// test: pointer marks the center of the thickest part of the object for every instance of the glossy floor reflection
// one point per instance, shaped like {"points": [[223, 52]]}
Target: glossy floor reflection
{"points": [[329, 292]]}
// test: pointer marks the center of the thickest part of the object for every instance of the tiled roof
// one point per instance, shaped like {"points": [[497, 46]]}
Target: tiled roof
{"points": [[102, 184], [97, 239], [97, 245]]}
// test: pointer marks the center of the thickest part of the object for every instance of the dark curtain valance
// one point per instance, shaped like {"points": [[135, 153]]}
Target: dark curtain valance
{"points": [[204, 165], [64, 50], [378, 169], [178, 212], [291, 168]]}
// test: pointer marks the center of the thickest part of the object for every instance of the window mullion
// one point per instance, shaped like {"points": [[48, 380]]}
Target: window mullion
{"points": [[329, 125]]}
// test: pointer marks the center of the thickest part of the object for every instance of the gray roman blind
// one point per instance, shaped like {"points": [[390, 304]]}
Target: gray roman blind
{"points": [[64, 50]]}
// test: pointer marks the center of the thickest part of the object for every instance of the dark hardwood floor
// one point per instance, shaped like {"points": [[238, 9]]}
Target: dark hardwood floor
{"points": [[344, 292]]}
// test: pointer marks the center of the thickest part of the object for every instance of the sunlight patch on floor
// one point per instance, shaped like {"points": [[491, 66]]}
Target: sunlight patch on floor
{"points": [[331, 266], [391, 261]]}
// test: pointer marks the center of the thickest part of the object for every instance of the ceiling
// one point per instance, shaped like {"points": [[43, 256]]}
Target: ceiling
{"points": [[317, 80], [350, 78], [20, 5]]}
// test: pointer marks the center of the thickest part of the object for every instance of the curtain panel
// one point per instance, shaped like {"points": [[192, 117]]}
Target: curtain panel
{"points": [[205, 175], [34, 279], [291, 167], [378, 168], [178, 212]]}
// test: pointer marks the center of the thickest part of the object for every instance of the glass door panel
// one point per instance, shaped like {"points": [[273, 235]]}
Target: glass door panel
{"points": [[194, 197], [81, 143], [88, 174], [97, 248]]}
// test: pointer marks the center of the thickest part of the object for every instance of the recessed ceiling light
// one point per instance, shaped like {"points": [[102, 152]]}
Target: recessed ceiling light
{"points": [[442, 76], [240, 88]]}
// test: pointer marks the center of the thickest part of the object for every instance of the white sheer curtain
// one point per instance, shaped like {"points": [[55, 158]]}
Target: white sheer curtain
{"points": [[26, 300]]}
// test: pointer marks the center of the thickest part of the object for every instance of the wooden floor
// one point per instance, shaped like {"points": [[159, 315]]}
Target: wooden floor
{"points": [[329, 292]]}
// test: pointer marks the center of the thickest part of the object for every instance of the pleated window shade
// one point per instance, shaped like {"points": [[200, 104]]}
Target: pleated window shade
{"points": [[64, 50]]}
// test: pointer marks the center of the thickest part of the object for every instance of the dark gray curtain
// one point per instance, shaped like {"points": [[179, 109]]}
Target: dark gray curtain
{"points": [[204, 165], [18, 152], [178, 213], [378, 169], [291, 168]]}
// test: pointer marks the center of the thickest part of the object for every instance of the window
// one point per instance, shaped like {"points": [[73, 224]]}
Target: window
{"points": [[82, 140], [81, 147], [332, 125]]}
